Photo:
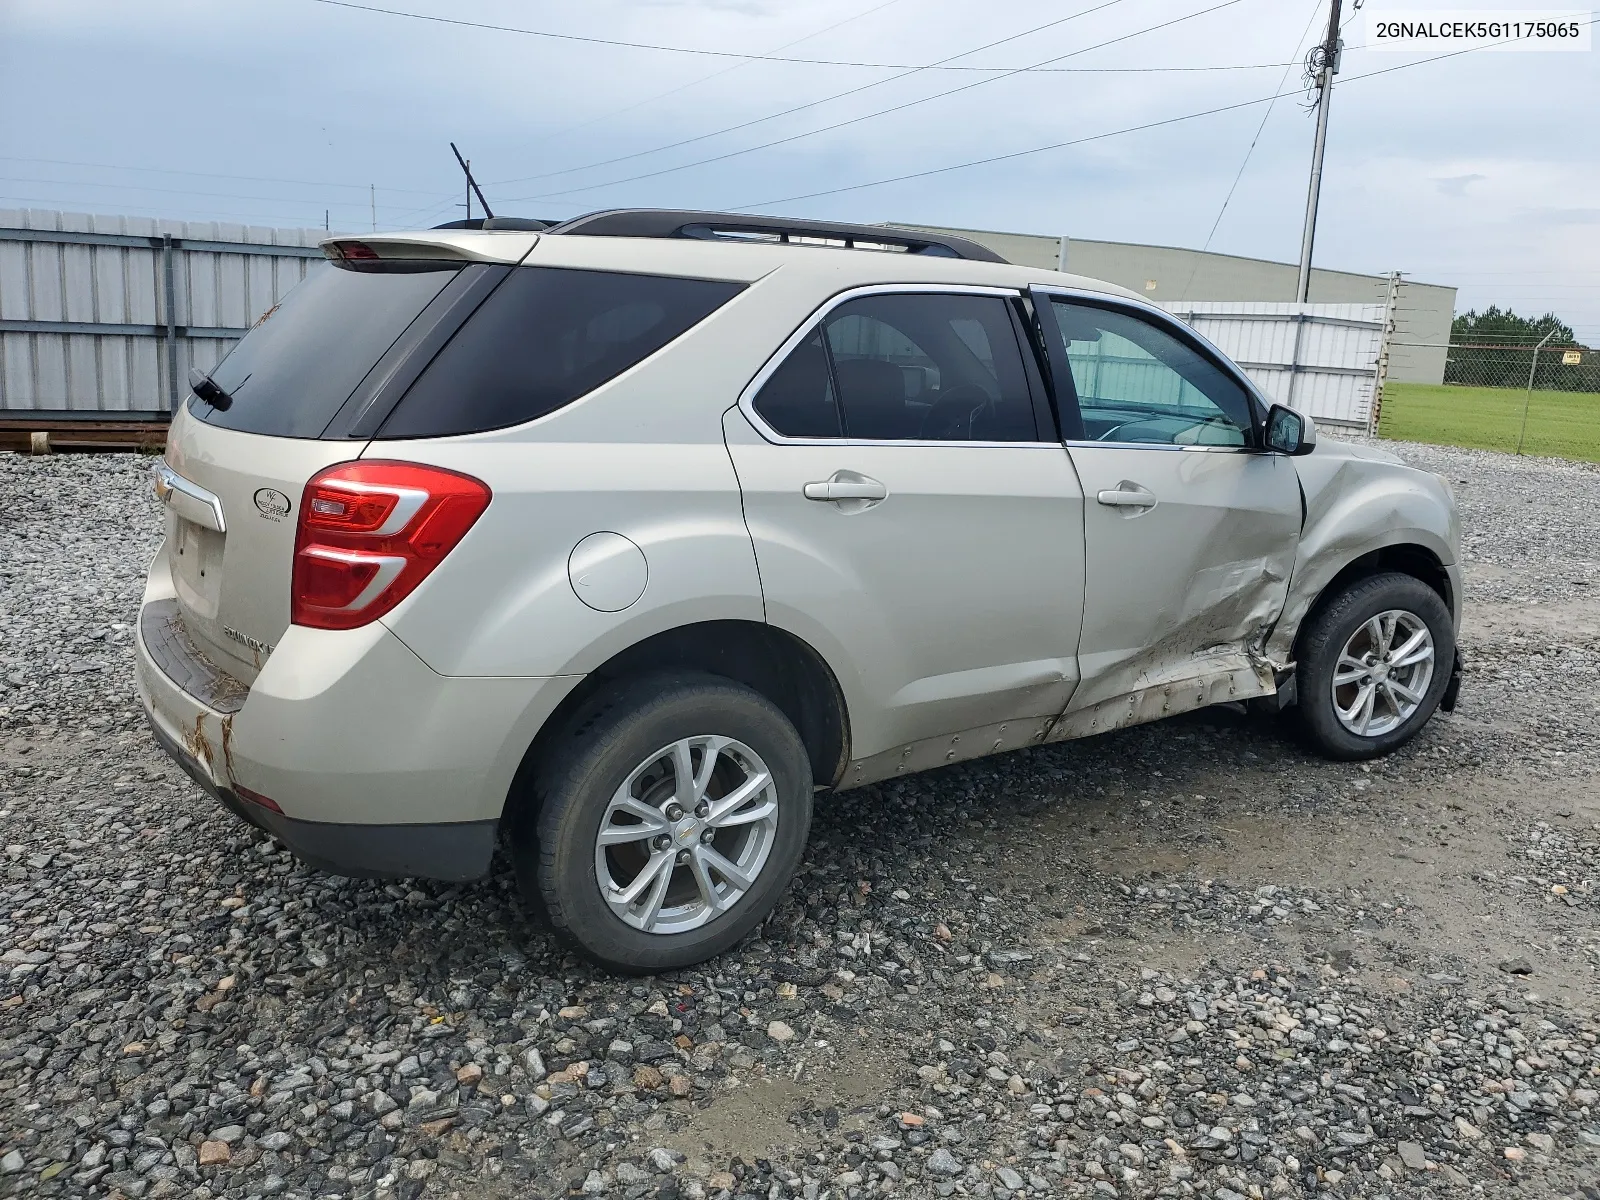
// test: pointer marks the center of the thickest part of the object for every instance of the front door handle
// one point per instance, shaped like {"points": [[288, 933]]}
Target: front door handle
{"points": [[1127, 495], [846, 485]]}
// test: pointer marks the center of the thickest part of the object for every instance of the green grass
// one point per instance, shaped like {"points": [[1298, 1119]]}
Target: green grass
{"points": [[1560, 424]]}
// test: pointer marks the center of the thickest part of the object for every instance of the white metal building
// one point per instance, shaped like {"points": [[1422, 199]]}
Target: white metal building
{"points": [[1323, 359], [102, 317], [1174, 278]]}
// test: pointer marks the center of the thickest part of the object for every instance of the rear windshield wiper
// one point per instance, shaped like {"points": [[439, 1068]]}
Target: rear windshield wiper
{"points": [[207, 389]]}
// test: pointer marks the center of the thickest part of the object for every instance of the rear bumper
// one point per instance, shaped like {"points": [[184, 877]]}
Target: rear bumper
{"points": [[380, 766], [456, 852]]}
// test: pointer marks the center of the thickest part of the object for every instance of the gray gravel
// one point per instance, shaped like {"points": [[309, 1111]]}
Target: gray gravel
{"points": [[1187, 959]]}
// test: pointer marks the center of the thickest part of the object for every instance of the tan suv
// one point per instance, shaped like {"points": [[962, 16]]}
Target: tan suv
{"points": [[624, 537]]}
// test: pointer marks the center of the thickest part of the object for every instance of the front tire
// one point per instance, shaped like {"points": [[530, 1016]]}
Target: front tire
{"points": [[673, 811], [1373, 664]]}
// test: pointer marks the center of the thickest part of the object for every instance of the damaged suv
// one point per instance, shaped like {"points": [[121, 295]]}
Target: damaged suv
{"points": [[621, 539]]}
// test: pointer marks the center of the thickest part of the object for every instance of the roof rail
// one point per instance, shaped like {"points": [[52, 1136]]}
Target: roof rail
{"points": [[717, 226]]}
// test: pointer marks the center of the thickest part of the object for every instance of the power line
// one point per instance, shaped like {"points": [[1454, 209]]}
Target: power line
{"points": [[873, 115], [683, 87], [438, 197], [983, 162], [1265, 117], [1095, 137], [666, 49], [813, 103]]}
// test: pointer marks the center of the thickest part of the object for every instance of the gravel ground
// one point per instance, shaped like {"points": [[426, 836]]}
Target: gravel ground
{"points": [[1186, 959]]}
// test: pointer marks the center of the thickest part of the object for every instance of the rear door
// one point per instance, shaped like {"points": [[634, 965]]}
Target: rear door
{"points": [[241, 468], [911, 518], [1190, 528]]}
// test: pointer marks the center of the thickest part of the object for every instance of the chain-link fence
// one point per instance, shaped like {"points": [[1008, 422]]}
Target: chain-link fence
{"points": [[1512, 396]]}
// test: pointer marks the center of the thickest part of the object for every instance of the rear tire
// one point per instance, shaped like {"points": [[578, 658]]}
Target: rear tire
{"points": [[606, 791], [1389, 636]]}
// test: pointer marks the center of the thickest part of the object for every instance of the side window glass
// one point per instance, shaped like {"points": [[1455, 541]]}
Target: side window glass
{"points": [[547, 336], [928, 367], [1138, 383], [798, 400]]}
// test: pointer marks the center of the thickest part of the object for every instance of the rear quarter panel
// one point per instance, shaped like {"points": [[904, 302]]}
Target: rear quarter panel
{"points": [[502, 603], [641, 456], [1360, 500]]}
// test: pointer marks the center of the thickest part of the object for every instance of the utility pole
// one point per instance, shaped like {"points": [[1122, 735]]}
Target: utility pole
{"points": [[1325, 60]]}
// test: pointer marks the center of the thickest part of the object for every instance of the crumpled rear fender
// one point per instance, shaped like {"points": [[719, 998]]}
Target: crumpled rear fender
{"points": [[1358, 501]]}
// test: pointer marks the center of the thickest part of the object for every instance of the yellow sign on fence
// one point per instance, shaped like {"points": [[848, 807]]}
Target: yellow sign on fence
{"points": [[1571, 358]]}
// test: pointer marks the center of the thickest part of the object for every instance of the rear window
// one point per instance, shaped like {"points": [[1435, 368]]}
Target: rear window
{"points": [[547, 336], [305, 356]]}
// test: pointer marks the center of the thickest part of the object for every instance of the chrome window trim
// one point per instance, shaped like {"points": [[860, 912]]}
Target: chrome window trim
{"points": [[1165, 321], [1189, 449], [748, 396]]}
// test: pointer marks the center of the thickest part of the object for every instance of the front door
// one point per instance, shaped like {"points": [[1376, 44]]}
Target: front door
{"points": [[911, 519], [1189, 529]]}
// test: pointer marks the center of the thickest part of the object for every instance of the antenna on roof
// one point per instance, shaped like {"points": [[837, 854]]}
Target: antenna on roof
{"points": [[472, 185]]}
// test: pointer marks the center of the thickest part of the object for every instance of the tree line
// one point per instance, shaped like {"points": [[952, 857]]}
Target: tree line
{"points": [[1494, 348]]}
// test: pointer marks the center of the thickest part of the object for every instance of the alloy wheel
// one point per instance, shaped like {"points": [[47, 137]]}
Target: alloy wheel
{"points": [[1383, 673], [686, 835]]}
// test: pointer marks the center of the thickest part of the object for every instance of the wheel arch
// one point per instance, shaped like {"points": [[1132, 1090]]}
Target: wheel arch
{"points": [[769, 660], [1404, 557]]}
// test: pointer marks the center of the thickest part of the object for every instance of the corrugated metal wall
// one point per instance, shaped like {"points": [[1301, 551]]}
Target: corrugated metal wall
{"points": [[87, 323], [89, 326], [1321, 359]]}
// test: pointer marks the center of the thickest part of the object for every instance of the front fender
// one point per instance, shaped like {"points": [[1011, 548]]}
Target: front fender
{"points": [[1358, 501]]}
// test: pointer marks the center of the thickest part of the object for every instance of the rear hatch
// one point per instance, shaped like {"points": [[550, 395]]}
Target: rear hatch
{"points": [[300, 392], [397, 341]]}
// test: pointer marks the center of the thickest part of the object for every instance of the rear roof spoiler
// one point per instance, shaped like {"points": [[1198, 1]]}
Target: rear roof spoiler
{"points": [[718, 226], [403, 251]]}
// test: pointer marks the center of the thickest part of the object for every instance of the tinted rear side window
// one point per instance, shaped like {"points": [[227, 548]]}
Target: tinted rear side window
{"points": [[293, 371], [547, 336]]}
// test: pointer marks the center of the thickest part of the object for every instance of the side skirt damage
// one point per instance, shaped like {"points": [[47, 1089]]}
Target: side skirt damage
{"points": [[1244, 680]]}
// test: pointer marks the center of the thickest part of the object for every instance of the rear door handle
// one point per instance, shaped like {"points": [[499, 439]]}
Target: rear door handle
{"points": [[845, 485], [1127, 496]]}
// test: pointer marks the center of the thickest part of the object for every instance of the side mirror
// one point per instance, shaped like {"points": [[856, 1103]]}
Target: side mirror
{"points": [[1290, 432]]}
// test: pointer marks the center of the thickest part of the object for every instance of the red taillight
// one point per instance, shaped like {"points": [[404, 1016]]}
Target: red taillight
{"points": [[351, 251], [369, 532]]}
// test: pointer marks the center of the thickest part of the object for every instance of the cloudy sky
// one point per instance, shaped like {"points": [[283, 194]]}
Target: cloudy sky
{"points": [[1481, 171]]}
